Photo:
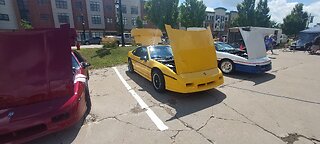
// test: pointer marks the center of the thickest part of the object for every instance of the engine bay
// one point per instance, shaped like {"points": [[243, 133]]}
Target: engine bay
{"points": [[168, 62]]}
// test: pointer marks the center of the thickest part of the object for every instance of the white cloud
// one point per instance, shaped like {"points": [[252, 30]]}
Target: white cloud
{"points": [[314, 9], [279, 9]]}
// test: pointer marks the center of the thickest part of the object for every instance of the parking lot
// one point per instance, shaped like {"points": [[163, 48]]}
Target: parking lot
{"points": [[281, 106]]}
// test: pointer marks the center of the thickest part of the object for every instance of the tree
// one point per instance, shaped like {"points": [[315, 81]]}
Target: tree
{"points": [[262, 17], [296, 21], [139, 22], [246, 13], [161, 12], [192, 13], [274, 24], [25, 24]]}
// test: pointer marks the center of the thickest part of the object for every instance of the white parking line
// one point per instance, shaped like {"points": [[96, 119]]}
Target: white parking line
{"points": [[156, 120]]}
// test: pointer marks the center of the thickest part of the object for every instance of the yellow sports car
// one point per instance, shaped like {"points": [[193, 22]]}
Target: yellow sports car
{"points": [[188, 65]]}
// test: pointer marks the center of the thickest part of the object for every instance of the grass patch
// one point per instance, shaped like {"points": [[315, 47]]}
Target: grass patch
{"points": [[106, 57]]}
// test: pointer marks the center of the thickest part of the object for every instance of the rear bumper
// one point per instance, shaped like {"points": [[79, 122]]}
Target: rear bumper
{"points": [[36, 120], [253, 69]]}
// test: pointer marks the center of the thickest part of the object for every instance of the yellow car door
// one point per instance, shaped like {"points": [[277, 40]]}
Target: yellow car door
{"points": [[140, 61], [135, 59]]}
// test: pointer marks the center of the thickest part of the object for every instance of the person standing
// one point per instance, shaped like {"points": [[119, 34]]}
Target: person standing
{"points": [[270, 43]]}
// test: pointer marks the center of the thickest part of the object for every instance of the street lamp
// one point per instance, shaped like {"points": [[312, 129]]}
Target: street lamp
{"points": [[118, 5], [83, 24]]}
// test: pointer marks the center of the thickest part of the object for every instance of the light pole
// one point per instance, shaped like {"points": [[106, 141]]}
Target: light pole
{"points": [[83, 28], [118, 5]]}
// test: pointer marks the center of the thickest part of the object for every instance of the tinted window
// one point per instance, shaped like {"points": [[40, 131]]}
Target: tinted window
{"points": [[79, 57], [75, 64], [141, 51]]}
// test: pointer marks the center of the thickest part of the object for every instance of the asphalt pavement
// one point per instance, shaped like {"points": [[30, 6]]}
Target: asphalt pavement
{"points": [[281, 106]]}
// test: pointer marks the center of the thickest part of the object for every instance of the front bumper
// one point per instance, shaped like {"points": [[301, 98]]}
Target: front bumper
{"points": [[195, 82], [36, 120], [253, 69]]}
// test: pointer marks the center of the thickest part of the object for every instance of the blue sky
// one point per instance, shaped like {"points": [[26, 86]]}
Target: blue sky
{"points": [[278, 8]]}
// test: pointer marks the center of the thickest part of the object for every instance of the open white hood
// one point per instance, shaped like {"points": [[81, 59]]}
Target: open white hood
{"points": [[254, 41]]}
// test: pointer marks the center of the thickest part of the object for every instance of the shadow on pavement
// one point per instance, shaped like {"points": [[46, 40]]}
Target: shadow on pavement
{"points": [[184, 104], [256, 78], [67, 135]]}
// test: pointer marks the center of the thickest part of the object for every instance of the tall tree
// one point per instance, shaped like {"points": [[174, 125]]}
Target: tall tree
{"points": [[262, 17], [162, 12], [139, 22], [296, 21], [246, 13], [192, 13]]}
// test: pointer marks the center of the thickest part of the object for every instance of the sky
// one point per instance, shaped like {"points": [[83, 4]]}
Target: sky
{"points": [[278, 8]]}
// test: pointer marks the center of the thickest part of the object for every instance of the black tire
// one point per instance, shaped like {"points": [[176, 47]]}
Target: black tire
{"points": [[130, 66], [226, 66], [158, 81], [87, 43]]}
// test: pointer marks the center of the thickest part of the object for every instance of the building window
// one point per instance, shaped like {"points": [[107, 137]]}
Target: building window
{"points": [[133, 21], [96, 19], [134, 10], [109, 20], [145, 22], [2, 2], [94, 6], [4, 17], [125, 21], [62, 4], [80, 19], [78, 5], [63, 18], [124, 8], [44, 17], [217, 17], [43, 2]]}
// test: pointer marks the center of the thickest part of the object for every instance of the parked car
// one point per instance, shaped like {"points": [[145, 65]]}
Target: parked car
{"points": [[178, 69], [252, 60], [284, 38], [127, 38], [305, 36], [94, 40], [43, 85]]}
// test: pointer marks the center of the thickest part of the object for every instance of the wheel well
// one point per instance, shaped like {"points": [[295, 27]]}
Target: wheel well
{"points": [[154, 69], [225, 59]]}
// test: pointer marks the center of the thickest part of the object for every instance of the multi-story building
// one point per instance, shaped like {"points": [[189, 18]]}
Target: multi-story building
{"points": [[9, 15], [91, 18], [131, 9], [110, 16], [146, 23], [219, 20]]}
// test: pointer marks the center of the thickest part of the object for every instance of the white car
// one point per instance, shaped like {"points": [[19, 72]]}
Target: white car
{"points": [[252, 60]]}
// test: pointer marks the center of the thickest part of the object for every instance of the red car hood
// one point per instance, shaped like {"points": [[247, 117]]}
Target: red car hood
{"points": [[35, 66]]}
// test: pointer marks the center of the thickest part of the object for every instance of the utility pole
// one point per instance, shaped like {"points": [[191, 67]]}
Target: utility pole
{"points": [[121, 22], [83, 28]]}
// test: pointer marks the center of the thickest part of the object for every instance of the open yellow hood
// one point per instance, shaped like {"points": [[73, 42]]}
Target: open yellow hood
{"points": [[193, 51], [146, 36]]}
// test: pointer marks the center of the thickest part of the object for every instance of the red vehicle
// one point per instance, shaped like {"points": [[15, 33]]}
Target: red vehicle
{"points": [[43, 84]]}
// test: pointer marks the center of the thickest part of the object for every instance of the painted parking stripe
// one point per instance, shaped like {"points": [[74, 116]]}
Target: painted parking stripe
{"points": [[156, 120]]}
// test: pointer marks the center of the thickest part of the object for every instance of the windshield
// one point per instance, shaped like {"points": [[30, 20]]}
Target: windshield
{"points": [[160, 52], [223, 47]]}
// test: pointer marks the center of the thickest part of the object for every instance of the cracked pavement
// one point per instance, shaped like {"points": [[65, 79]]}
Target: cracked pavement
{"points": [[281, 106]]}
